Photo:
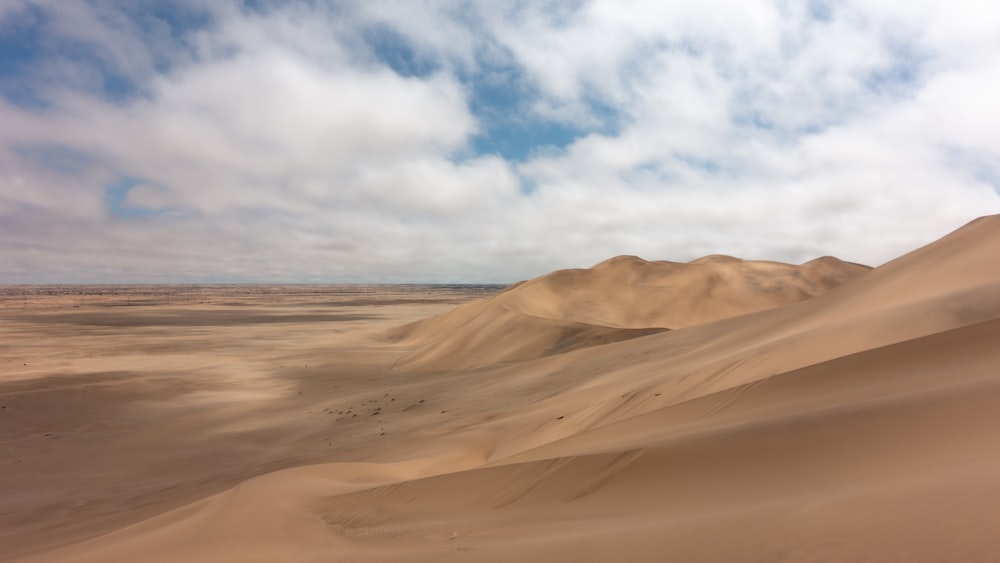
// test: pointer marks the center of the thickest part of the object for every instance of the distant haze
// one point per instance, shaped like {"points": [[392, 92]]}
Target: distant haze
{"points": [[394, 141]]}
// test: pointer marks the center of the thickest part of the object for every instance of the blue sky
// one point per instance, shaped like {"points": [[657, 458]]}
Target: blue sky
{"points": [[401, 141]]}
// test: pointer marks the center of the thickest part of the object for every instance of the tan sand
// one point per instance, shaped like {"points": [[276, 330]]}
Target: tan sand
{"points": [[847, 419], [619, 299]]}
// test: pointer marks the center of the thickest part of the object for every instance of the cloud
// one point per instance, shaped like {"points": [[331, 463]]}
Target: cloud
{"points": [[818, 124], [468, 141]]}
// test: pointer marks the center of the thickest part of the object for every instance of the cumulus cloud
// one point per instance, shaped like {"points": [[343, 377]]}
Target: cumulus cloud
{"points": [[312, 141]]}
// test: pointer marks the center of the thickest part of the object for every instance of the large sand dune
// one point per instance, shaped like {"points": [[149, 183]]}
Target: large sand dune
{"points": [[621, 298], [813, 413]]}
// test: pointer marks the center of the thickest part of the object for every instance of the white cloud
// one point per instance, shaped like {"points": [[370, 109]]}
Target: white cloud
{"points": [[277, 145]]}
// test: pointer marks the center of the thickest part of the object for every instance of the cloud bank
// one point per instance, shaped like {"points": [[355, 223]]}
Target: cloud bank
{"points": [[393, 141]]}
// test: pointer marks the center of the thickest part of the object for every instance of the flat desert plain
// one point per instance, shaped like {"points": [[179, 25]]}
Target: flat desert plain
{"points": [[714, 410]]}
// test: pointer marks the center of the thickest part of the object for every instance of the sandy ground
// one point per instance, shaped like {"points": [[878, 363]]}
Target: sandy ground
{"points": [[823, 412], [119, 403]]}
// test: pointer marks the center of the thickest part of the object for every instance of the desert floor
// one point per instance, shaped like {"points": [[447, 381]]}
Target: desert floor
{"points": [[718, 410], [118, 403]]}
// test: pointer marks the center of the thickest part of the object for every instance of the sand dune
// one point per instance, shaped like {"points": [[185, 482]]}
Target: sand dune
{"points": [[482, 334], [618, 299], [629, 292], [856, 425]]}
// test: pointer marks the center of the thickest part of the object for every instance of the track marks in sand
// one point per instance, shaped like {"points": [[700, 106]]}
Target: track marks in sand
{"points": [[525, 479], [682, 399], [436, 508], [601, 478]]}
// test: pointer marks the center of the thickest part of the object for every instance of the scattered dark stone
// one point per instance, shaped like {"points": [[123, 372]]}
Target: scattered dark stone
{"points": [[561, 417]]}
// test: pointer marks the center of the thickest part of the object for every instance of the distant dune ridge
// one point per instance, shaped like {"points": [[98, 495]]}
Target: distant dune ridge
{"points": [[618, 299], [821, 412]]}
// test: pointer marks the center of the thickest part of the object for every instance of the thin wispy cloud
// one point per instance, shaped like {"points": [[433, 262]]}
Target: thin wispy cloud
{"points": [[484, 141]]}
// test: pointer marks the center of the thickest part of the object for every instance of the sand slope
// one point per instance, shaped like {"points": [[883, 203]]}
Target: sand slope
{"points": [[618, 299], [629, 292], [854, 426]]}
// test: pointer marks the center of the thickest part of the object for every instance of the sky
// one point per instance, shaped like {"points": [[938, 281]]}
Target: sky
{"points": [[397, 141]]}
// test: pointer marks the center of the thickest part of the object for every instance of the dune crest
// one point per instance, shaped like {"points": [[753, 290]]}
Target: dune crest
{"points": [[618, 299]]}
